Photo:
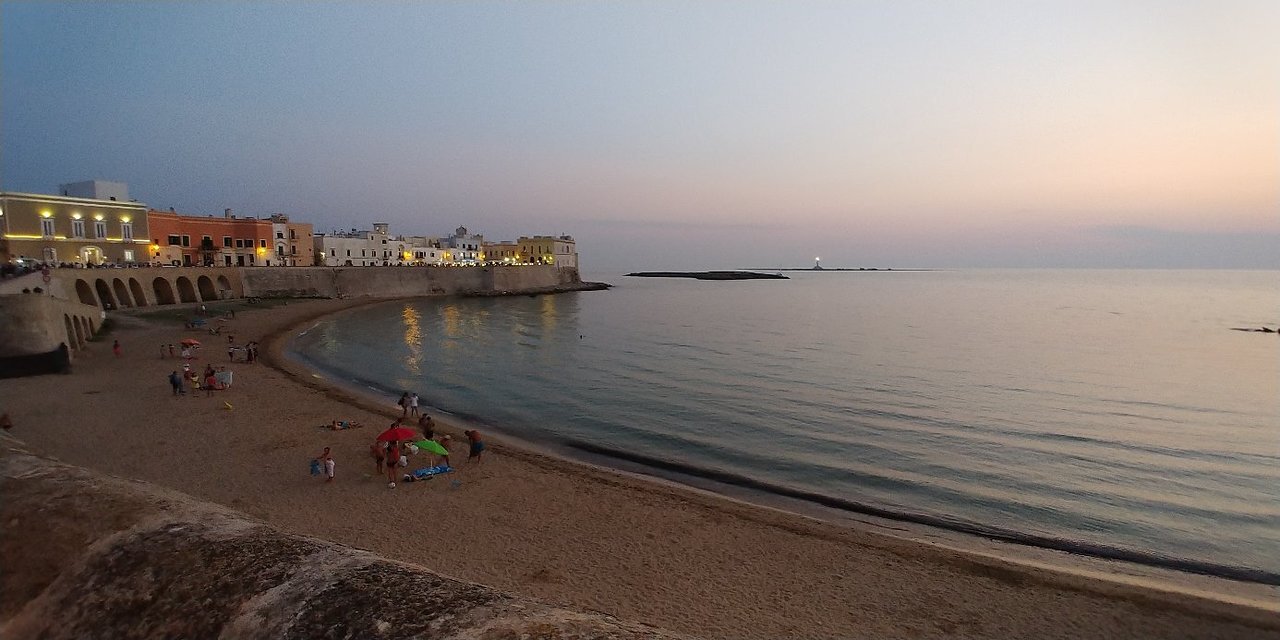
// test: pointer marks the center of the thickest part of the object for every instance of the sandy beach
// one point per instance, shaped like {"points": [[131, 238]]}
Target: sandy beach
{"points": [[552, 529]]}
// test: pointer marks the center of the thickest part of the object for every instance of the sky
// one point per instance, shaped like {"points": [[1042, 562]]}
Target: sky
{"points": [[678, 135]]}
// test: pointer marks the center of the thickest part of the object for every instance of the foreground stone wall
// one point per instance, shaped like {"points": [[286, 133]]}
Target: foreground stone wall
{"points": [[90, 556]]}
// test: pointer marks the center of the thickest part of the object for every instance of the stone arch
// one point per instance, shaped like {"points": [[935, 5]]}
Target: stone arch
{"points": [[224, 286], [122, 292], [85, 292], [139, 296], [71, 333], [186, 292], [164, 291], [79, 325], [104, 294], [205, 284]]}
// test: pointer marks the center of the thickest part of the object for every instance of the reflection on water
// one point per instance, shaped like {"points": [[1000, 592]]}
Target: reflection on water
{"points": [[1100, 408], [412, 339]]}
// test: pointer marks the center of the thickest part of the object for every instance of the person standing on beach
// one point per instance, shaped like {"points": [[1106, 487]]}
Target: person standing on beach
{"points": [[115, 348], [171, 353], [477, 445], [393, 461], [413, 404], [404, 405], [428, 427], [326, 460], [379, 453], [175, 381]]}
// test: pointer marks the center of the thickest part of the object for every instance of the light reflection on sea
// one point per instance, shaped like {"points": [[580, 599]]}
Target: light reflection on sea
{"points": [[1106, 410]]}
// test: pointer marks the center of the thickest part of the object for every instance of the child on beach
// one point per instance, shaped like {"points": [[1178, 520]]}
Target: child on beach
{"points": [[379, 454], [477, 445], [326, 462]]}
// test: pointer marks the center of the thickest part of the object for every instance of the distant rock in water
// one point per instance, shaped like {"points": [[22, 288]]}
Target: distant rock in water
{"points": [[710, 275], [1258, 330]]}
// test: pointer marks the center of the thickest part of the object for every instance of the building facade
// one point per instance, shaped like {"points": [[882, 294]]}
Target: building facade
{"points": [[70, 230], [294, 242], [560, 251], [187, 240]]}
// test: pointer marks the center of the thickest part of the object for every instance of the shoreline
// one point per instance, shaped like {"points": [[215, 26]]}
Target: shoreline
{"points": [[762, 494], [680, 557]]}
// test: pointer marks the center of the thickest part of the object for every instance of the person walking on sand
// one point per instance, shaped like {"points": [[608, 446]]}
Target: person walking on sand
{"points": [[378, 452], [477, 445], [428, 427], [413, 404], [175, 381], [115, 348], [404, 405], [171, 353], [326, 461]]}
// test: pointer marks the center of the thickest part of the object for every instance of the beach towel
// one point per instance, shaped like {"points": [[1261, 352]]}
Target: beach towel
{"points": [[427, 472]]}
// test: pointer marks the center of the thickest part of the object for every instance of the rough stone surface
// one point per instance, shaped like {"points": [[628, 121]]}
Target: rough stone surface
{"points": [[90, 556]]}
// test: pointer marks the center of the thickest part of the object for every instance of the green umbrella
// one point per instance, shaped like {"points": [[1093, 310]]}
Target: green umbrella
{"points": [[433, 447]]}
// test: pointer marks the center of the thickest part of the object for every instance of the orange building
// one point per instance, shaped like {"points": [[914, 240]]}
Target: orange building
{"points": [[208, 241]]}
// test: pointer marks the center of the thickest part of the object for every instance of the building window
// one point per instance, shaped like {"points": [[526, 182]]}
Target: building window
{"points": [[293, 234], [126, 231], [99, 229], [207, 239], [348, 253], [77, 228], [262, 243], [239, 243], [186, 241], [279, 235], [362, 253], [128, 255], [333, 253], [175, 239], [293, 249], [226, 241], [46, 227]]}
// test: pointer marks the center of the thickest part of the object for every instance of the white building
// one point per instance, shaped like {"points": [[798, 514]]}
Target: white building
{"points": [[378, 248], [96, 190], [465, 248]]}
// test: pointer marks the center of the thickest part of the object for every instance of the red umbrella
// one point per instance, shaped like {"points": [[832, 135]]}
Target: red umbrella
{"points": [[190, 342], [397, 433]]}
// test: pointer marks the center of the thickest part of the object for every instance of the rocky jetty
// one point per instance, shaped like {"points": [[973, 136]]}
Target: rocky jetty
{"points": [[710, 275]]}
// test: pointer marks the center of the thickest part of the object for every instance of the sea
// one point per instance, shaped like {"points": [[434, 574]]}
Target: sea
{"points": [[1108, 413]]}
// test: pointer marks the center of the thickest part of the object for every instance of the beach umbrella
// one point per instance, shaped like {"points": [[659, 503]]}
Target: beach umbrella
{"points": [[433, 447], [396, 433], [190, 342]]}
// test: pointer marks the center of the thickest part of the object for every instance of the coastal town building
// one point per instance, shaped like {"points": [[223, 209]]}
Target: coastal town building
{"points": [[56, 229], [208, 241], [464, 247], [504, 251], [378, 247], [560, 251], [294, 242]]}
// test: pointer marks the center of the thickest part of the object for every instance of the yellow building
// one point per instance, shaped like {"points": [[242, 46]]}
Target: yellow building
{"points": [[560, 251], [62, 229]]}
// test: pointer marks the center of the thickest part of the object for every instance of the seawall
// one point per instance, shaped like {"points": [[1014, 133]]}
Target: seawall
{"points": [[88, 555], [395, 282]]}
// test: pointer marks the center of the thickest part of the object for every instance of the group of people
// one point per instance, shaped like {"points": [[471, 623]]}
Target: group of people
{"points": [[218, 379], [250, 350], [390, 456], [408, 404], [184, 351]]}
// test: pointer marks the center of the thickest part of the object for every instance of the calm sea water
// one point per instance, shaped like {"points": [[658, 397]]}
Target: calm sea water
{"points": [[1111, 413]]}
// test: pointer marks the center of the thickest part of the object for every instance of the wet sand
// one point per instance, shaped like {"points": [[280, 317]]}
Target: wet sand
{"points": [[567, 533]]}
